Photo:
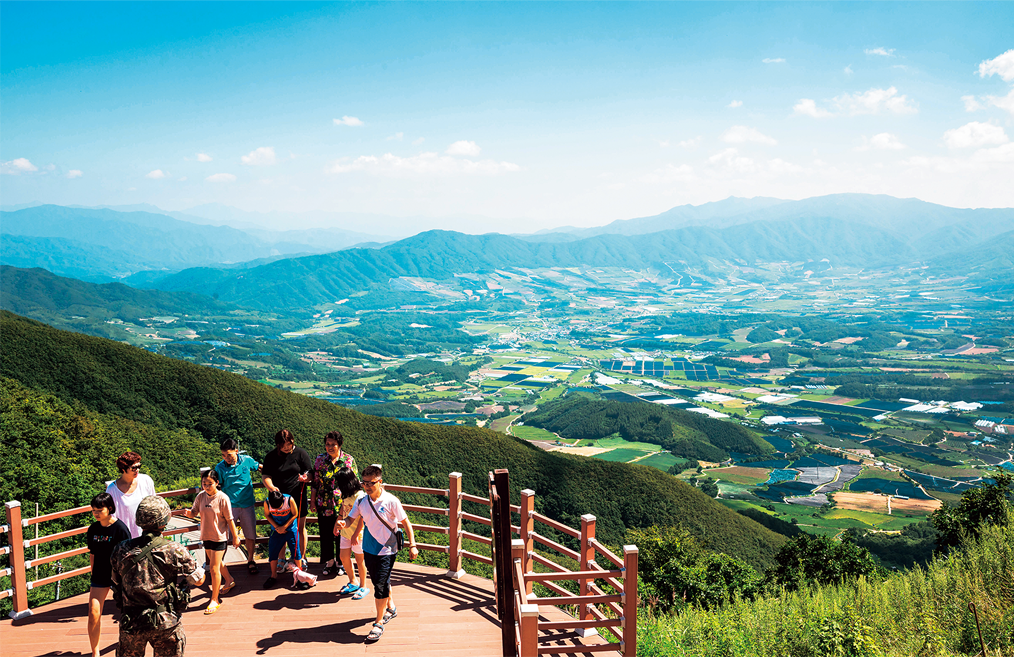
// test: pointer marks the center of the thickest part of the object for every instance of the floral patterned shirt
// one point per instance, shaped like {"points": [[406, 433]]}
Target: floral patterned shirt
{"points": [[325, 493]]}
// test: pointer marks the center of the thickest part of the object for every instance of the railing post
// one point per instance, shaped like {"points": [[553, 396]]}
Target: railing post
{"points": [[529, 622], [17, 559], [527, 525], [587, 552], [454, 568], [629, 601]]}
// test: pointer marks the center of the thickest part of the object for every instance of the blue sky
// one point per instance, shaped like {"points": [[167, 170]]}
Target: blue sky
{"points": [[535, 114]]}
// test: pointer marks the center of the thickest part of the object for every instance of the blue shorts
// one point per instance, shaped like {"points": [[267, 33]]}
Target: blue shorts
{"points": [[277, 543]]}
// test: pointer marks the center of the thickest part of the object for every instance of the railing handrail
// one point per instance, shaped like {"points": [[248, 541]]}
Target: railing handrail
{"points": [[620, 577]]}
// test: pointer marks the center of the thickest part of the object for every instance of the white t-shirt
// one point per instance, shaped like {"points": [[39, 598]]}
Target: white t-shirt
{"points": [[126, 505], [378, 539]]}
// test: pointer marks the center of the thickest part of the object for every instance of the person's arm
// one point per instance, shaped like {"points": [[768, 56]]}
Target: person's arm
{"points": [[413, 551], [357, 533], [232, 521], [270, 485], [267, 517], [192, 511]]}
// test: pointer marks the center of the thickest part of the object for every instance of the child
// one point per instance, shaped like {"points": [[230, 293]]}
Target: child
{"points": [[281, 511], [351, 532], [216, 527], [234, 472], [103, 535]]}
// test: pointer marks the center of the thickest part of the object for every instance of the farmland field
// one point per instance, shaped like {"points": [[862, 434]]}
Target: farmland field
{"points": [[741, 475], [662, 460], [621, 454], [532, 433]]}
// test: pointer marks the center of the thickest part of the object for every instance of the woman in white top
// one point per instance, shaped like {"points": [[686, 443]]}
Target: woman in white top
{"points": [[130, 489]]}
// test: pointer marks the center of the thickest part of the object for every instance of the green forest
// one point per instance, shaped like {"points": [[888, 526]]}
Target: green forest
{"points": [[688, 435], [65, 391]]}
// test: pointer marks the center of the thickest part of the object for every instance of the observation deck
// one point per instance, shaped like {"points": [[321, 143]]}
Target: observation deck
{"points": [[554, 599]]}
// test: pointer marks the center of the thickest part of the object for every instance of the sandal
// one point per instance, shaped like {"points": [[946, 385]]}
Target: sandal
{"points": [[361, 593], [388, 615], [348, 588], [252, 568], [328, 568], [230, 586], [375, 633], [212, 608]]}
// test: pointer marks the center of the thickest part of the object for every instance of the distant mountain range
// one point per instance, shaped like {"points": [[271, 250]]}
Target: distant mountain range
{"points": [[101, 244], [854, 230], [845, 229]]}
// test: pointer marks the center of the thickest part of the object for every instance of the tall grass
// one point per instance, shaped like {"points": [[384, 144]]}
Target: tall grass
{"points": [[920, 612]]}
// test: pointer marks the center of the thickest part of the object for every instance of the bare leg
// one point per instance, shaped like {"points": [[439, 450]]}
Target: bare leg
{"points": [[302, 538], [360, 569], [215, 570], [224, 572], [381, 608], [96, 598], [347, 563]]}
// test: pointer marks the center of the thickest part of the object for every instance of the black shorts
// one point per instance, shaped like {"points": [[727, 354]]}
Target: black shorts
{"points": [[302, 499], [217, 546], [379, 567]]}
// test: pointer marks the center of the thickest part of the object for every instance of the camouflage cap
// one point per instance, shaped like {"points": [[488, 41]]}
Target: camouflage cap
{"points": [[152, 513]]}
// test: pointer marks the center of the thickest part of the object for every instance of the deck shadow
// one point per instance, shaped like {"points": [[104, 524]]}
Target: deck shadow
{"points": [[340, 633]]}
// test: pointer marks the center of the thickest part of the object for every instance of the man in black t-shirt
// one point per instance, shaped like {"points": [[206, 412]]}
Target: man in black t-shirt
{"points": [[286, 468]]}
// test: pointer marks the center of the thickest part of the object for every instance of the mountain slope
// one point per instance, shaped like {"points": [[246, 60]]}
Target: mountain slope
{"points": [[117, 379], [308, 281]]}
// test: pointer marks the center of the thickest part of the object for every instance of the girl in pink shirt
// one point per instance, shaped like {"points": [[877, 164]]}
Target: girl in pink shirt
{"points": [[216, 527]]}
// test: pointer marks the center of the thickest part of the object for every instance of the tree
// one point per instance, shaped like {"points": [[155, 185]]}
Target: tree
{"points": [[676, 571], [983, 505], [710, 488], [822, 560]]}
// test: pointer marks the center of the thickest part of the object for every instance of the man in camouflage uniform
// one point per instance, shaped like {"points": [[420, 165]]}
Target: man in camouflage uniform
{"points": [[146, 571]]}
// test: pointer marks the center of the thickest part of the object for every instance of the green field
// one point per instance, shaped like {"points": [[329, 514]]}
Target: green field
{"points": [[623, 455], [532, 433], [663, 461], [616, 441], [876, 473]]}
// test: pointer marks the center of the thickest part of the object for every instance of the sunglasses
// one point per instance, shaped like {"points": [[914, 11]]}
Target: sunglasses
{"points": [[135, 468], [371, 483]]}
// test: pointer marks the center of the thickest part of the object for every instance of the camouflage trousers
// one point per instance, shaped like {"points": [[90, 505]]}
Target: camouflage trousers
{"points": [[168, 642]]}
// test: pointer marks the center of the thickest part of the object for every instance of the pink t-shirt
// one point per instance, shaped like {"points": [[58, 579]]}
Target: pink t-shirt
{"points": [[216, 512]]}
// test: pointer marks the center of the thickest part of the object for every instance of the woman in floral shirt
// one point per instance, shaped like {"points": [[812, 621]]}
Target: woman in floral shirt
{"points": [[326, 497]]}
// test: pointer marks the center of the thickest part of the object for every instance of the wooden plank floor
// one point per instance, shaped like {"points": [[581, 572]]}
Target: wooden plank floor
{"points": [[437, 616]]}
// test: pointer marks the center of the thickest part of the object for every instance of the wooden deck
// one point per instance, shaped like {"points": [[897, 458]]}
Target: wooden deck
{"points": [[437, 616]]}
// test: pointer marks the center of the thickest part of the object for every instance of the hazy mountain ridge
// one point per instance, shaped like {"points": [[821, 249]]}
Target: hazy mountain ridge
{"points": [[312, 280]]}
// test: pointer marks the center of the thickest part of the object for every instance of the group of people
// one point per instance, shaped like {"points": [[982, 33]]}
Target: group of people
{"points": [[357, 520]]}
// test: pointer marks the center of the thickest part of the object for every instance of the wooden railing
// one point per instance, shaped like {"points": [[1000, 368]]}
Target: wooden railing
{"points": [[614, 610]]}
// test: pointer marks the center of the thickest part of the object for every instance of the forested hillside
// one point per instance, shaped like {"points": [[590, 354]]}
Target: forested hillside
{"points": [[689, 435], [123, 383]]}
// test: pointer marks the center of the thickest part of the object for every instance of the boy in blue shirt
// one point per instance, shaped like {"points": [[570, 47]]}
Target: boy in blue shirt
{"points": [[234, 473]]}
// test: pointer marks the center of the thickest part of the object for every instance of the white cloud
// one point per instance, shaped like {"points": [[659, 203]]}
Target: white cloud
{"points": [[50, 167], [984, 160], [221, 177], [75, 173], [1002, 65], [884, 141], [731, 160], [883, 52], [424, 163], [262, 156], [741, 134], [871, 101], [1003, 102], [691, 143], [808, 107], [975, 135], [416, 142], [664, 143], [203, 157], [182, 178], [349, 121], [467, 148], [735, 103], [396, 136], [773, 60], [848, 70], [971, 104], [157, 174], [18, 166]]}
